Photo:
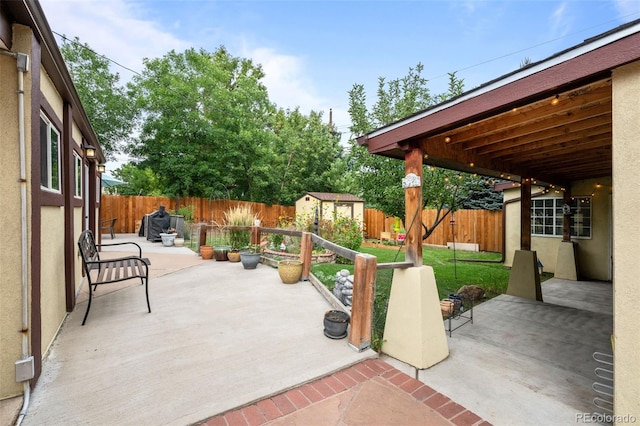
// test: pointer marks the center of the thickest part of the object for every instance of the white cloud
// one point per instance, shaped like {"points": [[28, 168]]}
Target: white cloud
{"points": [[284, 78], [560, 22], [111, 29]]}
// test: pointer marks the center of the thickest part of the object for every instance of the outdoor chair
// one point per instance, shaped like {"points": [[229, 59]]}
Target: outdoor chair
{"points": [[107, 225]]}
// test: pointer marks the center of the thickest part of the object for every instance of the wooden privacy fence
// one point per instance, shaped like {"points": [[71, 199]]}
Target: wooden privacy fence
{"points": [[129, 210], [481, 227]]}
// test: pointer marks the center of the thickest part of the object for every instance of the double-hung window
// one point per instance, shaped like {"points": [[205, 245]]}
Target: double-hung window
{"points": [[49, 155], [77, 161], [547, 216]]}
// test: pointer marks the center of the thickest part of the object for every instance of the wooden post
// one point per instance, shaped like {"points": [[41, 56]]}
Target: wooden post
{"points": [[255, 235], [306, 248], [202, 240], [525, 214], [413, 208], [364, 286]]}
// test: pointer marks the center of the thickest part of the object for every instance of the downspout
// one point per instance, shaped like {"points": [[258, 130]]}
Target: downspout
{"points": [[22, 63]]}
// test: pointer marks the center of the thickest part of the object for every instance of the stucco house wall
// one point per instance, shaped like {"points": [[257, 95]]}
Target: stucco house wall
{"points": [[593, 253], [54, 219], [626, 229], [10, 255]]}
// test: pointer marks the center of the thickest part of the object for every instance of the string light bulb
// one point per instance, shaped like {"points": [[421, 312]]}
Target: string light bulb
{"points": [[555, 100]]}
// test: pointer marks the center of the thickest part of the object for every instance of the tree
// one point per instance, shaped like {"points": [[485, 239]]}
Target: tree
{"points": [[307, 150], [139, 181], [481, 195], [379, 178], [107, 104], [207, 121]]}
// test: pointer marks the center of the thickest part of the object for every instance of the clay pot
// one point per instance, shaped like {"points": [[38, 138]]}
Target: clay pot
{"points": [[206, 252]]}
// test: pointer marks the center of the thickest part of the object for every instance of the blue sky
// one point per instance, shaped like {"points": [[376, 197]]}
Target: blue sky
{"points": [[314, 51]]}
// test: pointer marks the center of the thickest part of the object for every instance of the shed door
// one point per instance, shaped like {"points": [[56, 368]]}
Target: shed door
{"points": [[344, 210]]}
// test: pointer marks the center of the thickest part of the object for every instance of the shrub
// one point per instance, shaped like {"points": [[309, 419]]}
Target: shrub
{"points": [[347, 233]]}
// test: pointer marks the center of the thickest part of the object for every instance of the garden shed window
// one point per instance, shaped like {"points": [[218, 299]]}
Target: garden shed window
{"points": [[49, 155], [547, 217]]}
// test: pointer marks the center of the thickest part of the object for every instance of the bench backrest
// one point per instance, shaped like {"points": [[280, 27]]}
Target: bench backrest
{"points": [[87, 246]]}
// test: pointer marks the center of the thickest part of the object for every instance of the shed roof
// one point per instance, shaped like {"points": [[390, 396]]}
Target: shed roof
{"points": [[550, 121]]}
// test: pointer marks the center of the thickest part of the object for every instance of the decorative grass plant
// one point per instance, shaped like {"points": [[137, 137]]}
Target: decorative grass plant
{"points": [[240, 216]]}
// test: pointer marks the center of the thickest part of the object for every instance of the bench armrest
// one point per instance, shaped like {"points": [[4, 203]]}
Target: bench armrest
{"points": [[120, 244], [118, 259]]}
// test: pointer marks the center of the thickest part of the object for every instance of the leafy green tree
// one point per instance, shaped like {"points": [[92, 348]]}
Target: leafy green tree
{"points": [[138, 180], [379, 178], [307, 150], [207, 121], [108, 105]]}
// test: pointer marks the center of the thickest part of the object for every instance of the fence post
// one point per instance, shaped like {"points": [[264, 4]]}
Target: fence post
{"points": [[255, 235], [364, 286], [202, 239], [306, 249]]}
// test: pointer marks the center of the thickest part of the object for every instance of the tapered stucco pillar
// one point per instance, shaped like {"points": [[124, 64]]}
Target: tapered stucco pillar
{"points": [[567, 262], [414, 331], [524, 280]]}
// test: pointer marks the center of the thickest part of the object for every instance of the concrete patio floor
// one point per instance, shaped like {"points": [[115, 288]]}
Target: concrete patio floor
{"points": [[218, 337], [223, 343]]}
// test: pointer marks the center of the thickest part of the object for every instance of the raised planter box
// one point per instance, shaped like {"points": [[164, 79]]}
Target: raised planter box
{"points": [[315, 258]]}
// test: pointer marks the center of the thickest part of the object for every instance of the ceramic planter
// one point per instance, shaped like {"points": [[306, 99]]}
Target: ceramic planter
{"points": [[220, 253], [249, 259], [290, 271], [233, 256], [167, 239]]}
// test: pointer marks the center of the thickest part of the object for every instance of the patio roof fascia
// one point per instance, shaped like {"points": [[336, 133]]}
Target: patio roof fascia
{"points": [[590, 60]]}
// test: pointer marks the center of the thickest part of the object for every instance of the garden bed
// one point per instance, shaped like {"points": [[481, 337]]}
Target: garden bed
{"points": [[315, 258]]}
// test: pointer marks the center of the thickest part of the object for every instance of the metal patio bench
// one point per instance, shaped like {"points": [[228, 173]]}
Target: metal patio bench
{"points": [[108, 271]]}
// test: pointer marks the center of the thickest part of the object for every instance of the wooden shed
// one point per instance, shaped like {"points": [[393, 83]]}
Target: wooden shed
{"points": [[330, 205]]}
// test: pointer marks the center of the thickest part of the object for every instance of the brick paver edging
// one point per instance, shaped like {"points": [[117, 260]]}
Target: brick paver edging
{"points": [[287, 402]]}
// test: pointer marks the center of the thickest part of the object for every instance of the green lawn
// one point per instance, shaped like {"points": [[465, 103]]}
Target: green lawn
{"points": [[450, 275]]}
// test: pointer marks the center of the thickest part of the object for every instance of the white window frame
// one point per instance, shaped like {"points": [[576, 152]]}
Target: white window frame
{"points": [[77, 163], [547, 217], [49, 179]]}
